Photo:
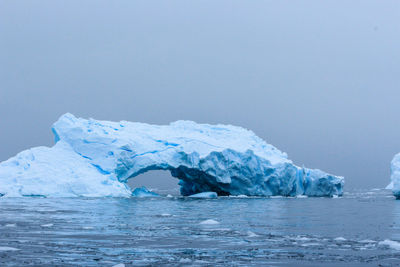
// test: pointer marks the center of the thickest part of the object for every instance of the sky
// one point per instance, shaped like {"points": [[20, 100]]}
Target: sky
{"points": [[320, 80]]}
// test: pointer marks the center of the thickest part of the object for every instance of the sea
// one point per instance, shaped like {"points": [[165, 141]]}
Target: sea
{"points": [[361, 228]]}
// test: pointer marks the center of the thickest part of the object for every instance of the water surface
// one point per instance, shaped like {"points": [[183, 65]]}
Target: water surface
{"points": [[359, 229]]}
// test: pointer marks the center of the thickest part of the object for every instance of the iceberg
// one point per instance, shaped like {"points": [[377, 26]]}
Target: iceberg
{"points": [[395, 176], [95, 158], [143, 192]]}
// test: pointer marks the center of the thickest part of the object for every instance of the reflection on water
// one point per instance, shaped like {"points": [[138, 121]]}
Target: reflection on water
{"points": [[357, 230]]}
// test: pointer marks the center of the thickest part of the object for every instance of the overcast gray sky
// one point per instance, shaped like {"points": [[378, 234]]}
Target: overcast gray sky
{"points": [[320, 80]]}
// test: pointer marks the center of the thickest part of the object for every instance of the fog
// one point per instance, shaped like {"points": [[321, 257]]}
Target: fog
{"points": [[319, 80]]}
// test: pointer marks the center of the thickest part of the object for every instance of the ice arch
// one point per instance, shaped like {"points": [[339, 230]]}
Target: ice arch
{"points": [[159, 181], [229, 172], [96, 158]]}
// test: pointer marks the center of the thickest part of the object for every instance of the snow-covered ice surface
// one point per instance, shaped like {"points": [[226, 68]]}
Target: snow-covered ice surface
{"points": [[359, 229], [94, 158]]}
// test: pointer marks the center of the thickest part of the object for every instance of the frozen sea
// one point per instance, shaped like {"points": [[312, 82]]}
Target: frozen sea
{"points": [[362, 228]]}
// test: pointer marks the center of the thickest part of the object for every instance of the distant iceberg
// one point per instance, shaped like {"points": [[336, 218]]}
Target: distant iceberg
{"points": [[395, 176], [143, 192], [96, 158]]}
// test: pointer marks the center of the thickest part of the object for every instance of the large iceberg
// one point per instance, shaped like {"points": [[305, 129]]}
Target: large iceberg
{"points": [[395, 176], [97, 158]]}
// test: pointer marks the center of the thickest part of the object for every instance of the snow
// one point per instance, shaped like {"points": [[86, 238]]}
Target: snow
{"points": [[94, 158], [143, 192], [205, 195]]}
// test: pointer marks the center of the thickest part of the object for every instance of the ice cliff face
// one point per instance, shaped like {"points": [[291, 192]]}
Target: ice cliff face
{"points": [[96, 158], [395, 176]]}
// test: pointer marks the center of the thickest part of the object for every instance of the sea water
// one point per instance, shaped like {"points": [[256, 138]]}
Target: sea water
{"points": [[362, 228]]}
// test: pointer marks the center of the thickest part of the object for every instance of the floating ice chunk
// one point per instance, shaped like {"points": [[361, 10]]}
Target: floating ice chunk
{"points": [[8, 249], [390, 243], [205, 195], [119, 265], [251, 234], [143, 192], [209, 221], [10, 225], [340, 238], [96, 158], [221, 229], [47, 225], [302, 238], [166, 215], [202, 262], [185, 260], [310, 244], [367, 241]]}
